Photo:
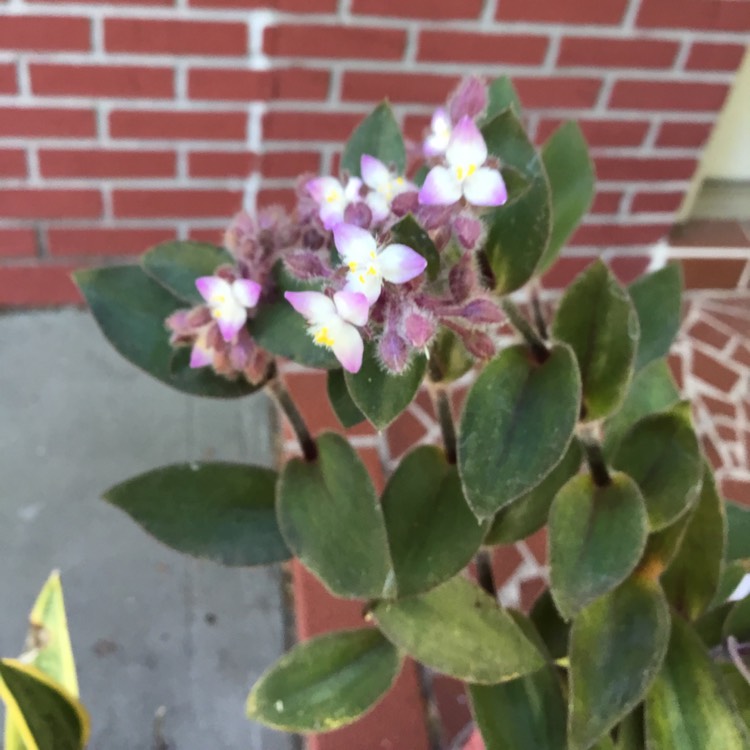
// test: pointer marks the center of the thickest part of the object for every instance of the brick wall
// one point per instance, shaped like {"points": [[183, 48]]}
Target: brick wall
{"points": [[128, 122]]}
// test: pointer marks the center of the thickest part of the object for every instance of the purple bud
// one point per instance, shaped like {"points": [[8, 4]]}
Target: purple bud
{"points": [[468, 229], [434, 217], [479, 344], [405, 203], [313, 238], [393, 351], [358, 214], [419, 329], [463, 278], [257, 367], [469, 99], [306, 264], [482, 311]]}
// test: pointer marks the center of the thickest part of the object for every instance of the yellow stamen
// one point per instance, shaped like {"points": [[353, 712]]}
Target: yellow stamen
{"points": [[361, 279], [352, 265], [464, 174], [323, 338], [371, 271], [332, 196], [217, 314]]}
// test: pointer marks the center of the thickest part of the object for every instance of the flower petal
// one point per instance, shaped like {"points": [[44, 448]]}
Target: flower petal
{"points": [[246, 292], [351, 191], [374, 173], [378, 205], [437, 141], [441, 188], [331, 214], [486, 187], [352, 307], [467, 147], [347, 346], [321, 187], [213, 289], [231, 319], [399, 263], [367, 284], [201, 355], [355, 245], [314, 306]]}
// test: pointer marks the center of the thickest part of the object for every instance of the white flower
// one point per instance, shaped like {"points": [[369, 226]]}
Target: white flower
{"points": [[333, 198], [437, 141], [384, 186], [228, 303]]}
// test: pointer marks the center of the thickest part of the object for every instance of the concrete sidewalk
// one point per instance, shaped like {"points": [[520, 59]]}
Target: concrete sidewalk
{"points": [[150, 628]]}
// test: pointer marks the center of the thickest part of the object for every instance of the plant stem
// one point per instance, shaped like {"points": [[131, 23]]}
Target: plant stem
{"points": [[484, 572], [442, 404], [523, 326], [595, 459], [281, 396], [536, 306]]}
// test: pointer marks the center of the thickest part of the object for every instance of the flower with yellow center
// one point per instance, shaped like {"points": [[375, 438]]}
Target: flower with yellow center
{"points": [[228, 302], [333, 197], [384, 186]]}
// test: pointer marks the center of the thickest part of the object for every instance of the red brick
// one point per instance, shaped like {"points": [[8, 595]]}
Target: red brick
{"points": [[457, 46], [562, 273], [606, 202], [8, 79], [742, 353], [601, 132], [37, 286], [710, 370], [736, 489], [672, 95], [176, 203], [44, 122], [45, 34], [17, 243], [655, 202], [97, 241], [452, 705], [102, 80], [628, 268], [209, 126], [684, 134], [643, 168], [286, 198], [677, 368], [739, 324], [242, 85], [530, 590], [616, 235], [75, 163], [564, 92], [422, 88], [50, 204], [427, 9], [305, 40], [617, 53], [712, 273], [222, 164], [290, 6], [175, 37], [572, 11], [706, 15], [309, 126], [712, 453], [289, 163], [709, 233], [718, 407], [715, 56], [13, 163], [708, 334], [113, 2], [206, 234]]}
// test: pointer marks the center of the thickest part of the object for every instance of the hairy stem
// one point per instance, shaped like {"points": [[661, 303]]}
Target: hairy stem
{"points": [[595, 459], [281, 396], [442, 404], [532, 338], [536, 306]]}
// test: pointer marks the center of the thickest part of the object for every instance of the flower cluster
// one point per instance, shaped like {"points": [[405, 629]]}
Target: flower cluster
{"points": [[342, 239]]}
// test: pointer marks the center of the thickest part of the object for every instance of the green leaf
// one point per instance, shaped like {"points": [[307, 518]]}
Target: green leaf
{"points": [[738, 531], [709, 626], [332, 521], [572, 182], [597, 319], [525, 516], [630, 733], [596, 536], [45, 715], [347, 411], [737, 623], [519, 231], [657, 300], [517, 424], [218, 511], [738, 688], [617, 646], [501, 94], [554, 631], [432, 532], [176, 266], [378, 135], [692, 579], [379, 395], [325, 683], [408, 232], [661, 453], [652, 389], [130, 309], [688, 706], [449, 359], [459, 630], [731, 576]]}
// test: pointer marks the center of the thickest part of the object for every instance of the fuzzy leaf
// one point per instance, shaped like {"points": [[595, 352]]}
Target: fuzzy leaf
{"points": [[501, 94], [378, 135], [738, 531], [347, 411], [552, 629]]}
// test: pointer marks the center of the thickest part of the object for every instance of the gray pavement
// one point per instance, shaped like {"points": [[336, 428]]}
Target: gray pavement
{"points": [[150, 628]]}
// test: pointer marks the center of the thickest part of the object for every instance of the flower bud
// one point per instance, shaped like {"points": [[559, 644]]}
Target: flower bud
{"points": [[405, 203], [419, 328], [479, 344], [393, 351], [463, 278], [306, 265], [359, 214], [469, 99], [481, 311], [468, 229]]}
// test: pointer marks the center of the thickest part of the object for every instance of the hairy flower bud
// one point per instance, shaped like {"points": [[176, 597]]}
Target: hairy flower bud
{"points": [[359, 214], [481, 311], [468, 229], [463, 278], [393, 351], [419, 328], [306, 265], [469, 99], [405, 203], [479, 344]]}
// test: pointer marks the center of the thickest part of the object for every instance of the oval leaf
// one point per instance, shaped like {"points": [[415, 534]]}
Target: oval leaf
{"points": [[596, 536], [571, 177], [432, 532], [378, 135], [617, 646], [552, 629], [688, 706], [738, 531], [459, 630], [45, 715], [516, 426], [219, 511], [519, 231], [661, 453], [332, 521], [501, 94], [380, 395], [657, 300], [597, 319], [176, 266], [346, 410], [325, 683], [692, 578], [130, 309], [525, 516]]}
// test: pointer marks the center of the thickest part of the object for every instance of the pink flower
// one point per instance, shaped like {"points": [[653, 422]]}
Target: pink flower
{"points": [[333, 198], [369, 265], [228, 302], [465, 176], [384, 186], [440, 136], [332, 323]]}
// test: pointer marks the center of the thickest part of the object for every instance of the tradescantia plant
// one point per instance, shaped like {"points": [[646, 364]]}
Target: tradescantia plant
{"points": [[402, 271]]}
